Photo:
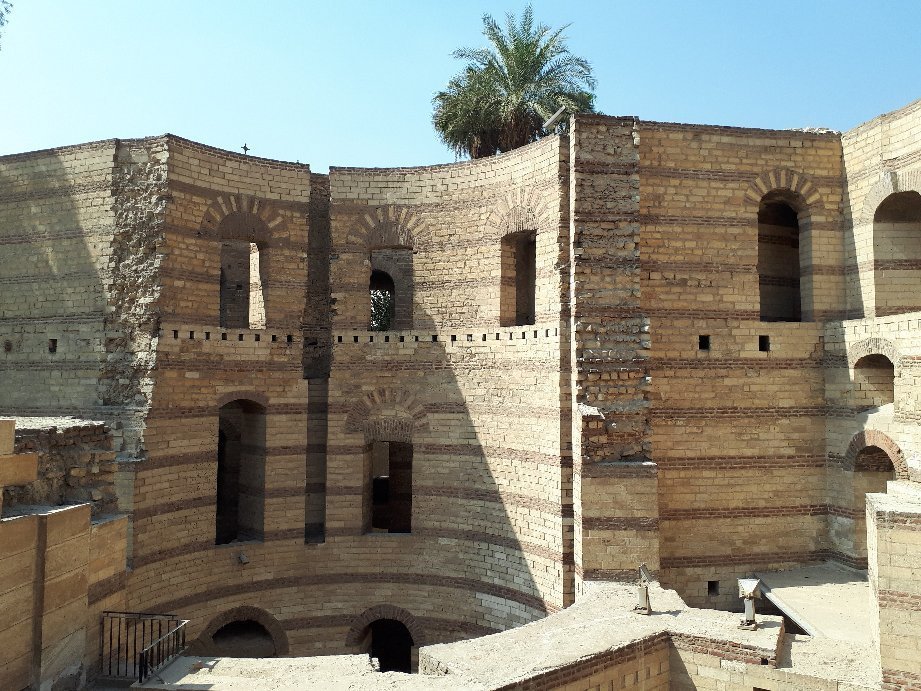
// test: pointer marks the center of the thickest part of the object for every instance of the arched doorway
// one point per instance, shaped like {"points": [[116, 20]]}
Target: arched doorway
{"points": [[391, 645], [243, 638]]}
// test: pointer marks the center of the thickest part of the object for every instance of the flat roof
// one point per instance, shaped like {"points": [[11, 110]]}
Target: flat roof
{"points": [[828, 600]]}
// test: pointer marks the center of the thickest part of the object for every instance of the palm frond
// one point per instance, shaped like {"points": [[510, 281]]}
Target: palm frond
{"points": [[508, 90]]}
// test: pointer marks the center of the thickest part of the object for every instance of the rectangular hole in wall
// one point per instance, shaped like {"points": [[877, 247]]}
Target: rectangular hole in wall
{"points": [[175, 333], [257, 338], [354, 339], [386, 339], [402, 338], [338, 339], [239, 337], [275, 338], [52, 345], [713, 588], [191, 335], [434, 338], [289, 338], [207, 335], [764, 343], [223, 337], [453, 338], [703, 343]]}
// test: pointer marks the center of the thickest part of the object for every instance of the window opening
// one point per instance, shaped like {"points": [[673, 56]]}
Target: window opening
{"points": [[383, 301], [242, 303], [391, 487], [240, 491], [779, 260], [518, 279]]}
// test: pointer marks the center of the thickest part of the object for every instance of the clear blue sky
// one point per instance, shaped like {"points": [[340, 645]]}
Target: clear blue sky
{"points": [[349, 82]]}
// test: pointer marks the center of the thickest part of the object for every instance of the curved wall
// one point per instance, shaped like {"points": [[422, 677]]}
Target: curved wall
{"points": [[482, 405]]}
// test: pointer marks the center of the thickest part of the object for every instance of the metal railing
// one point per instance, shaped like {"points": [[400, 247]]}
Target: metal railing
{"points": [[134, 645]]}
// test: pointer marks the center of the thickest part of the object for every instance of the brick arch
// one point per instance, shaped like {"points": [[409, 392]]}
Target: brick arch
{"points": [[783, 179], [389, 226], [872, 437], [253, 396], [517, 211], [241, 217], [395, 272], [363, 415], [872, 346], [248, 613], [372, 614], [890, 183]]}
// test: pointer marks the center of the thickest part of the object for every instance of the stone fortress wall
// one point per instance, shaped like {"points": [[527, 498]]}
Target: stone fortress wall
{"points": [[684, 345]]}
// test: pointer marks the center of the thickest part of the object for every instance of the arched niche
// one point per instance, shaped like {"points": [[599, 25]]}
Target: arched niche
{"points": [[897, 253]]}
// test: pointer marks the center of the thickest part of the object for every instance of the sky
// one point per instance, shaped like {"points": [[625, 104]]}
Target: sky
{"points": [[350, 82]]}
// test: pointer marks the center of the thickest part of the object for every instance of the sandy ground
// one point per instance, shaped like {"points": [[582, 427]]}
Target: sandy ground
{"points": [[601, 620]]}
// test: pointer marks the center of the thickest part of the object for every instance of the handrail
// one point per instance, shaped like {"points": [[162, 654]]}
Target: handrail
{"points": [[161, 651], [127, 637]]}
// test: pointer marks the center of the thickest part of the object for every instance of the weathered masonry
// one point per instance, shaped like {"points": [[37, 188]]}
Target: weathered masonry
{"points": [[689, 346]]}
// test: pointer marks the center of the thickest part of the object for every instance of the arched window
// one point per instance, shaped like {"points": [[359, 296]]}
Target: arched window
{"points": [[391, 645], [240, 500], [518, 279], [383, 301], [241, 300], [779, 258], [897, 253], [874, 381], [246, 638]]}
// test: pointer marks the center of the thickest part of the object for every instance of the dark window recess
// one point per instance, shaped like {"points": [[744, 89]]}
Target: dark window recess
{"points": [[7, 346], [713, 588], [779, 258], [703, 343], [518, 279], [52, 345], [240, 490], [391, 487], [764, 343]]}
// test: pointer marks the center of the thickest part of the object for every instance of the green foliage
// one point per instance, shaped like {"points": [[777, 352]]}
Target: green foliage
{"points": [[507, 91], [381, 310]]}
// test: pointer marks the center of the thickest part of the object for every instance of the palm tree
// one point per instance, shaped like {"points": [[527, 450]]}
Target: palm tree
{"points": [[506, 92]]}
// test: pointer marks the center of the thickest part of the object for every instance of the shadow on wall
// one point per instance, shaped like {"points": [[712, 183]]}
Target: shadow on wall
{"points": [[448, 472], [52, 295]]}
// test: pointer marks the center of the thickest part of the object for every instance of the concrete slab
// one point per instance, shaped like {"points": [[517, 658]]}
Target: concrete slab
{"points": [[827, 600]]}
